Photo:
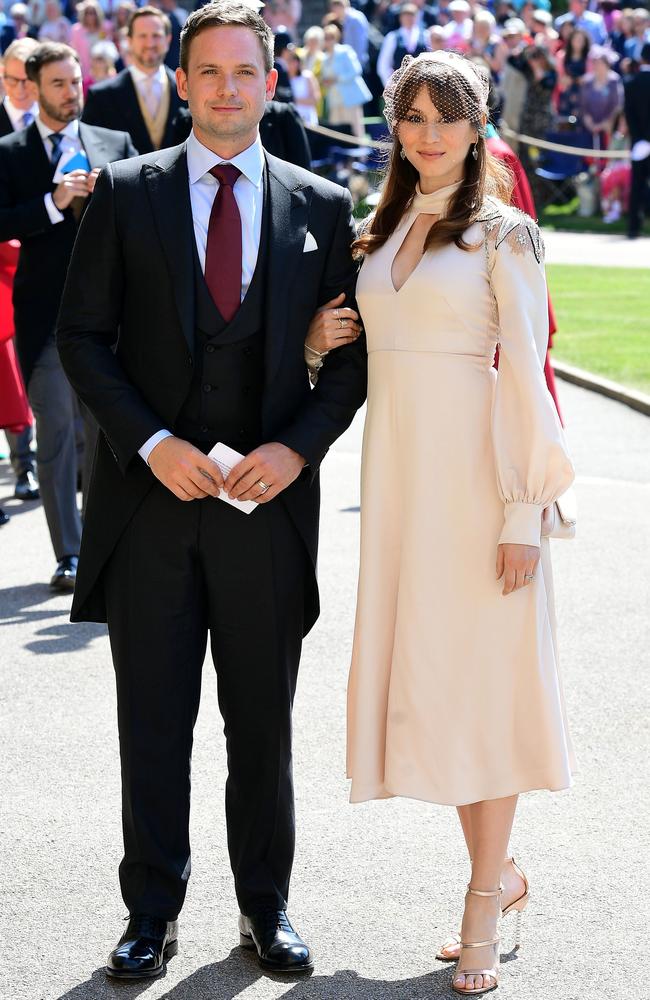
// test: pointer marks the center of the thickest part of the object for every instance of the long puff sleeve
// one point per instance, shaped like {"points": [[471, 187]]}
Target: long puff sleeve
{"points": [[532, 462]]}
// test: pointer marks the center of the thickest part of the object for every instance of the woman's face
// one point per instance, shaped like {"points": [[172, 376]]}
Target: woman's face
{"points": [[578, 42], [436, 148], [90, 19]]}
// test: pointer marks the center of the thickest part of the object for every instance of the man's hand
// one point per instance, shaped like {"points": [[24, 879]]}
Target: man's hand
{"points": [[92, 178], [73, 185], [274, 465], [185, 470], [517, 565]]}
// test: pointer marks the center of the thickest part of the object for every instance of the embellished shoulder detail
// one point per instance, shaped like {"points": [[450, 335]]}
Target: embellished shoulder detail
{"points": [[505, 223], [364, 224]]}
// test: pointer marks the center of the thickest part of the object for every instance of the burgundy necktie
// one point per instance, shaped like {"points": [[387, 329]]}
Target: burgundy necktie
{"points": [[223, 254]]}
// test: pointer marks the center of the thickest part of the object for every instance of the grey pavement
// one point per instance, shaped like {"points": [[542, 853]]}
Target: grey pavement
{"points": [[375, 886], [599, 249]]}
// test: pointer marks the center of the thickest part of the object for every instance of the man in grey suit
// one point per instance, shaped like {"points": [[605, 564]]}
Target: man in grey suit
{"points": [[41, 205]]}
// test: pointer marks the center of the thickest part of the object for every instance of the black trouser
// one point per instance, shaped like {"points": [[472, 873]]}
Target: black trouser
{"points": [[638, 195], [181, 570]]}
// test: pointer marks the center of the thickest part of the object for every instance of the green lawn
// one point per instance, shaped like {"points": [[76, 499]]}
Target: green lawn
{"points": [[603, 318]]}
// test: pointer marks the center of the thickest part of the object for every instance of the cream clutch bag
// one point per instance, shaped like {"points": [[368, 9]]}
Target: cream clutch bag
{"points": [[559, 520]]}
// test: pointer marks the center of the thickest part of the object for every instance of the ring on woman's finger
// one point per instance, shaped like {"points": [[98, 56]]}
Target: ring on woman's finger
{"points": [[337, 313], [529, 576], [341, 322]]}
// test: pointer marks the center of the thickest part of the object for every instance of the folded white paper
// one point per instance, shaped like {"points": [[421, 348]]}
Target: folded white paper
{"points": [[310, 243], [227, 458]]}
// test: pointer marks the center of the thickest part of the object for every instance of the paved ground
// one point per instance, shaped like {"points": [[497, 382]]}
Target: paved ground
{"points": [[375, 886], [596, 248]]}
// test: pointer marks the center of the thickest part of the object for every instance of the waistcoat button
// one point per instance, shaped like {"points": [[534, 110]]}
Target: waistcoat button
{"points": [[207, 387]]}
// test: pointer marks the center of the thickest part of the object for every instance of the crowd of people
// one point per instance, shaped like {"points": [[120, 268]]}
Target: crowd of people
{"points": [[560, 77]]}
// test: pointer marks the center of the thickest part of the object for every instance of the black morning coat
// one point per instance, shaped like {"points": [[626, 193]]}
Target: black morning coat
{"points": [[126, 338]]}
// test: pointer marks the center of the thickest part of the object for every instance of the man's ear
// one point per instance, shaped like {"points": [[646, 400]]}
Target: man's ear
{"points": [[181, 83], [271, 83]]}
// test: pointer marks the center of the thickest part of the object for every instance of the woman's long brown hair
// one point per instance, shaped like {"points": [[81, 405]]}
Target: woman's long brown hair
{"points": [[483, 175]]}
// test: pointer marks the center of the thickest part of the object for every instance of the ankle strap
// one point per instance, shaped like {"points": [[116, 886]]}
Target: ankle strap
{"points": [[479, 892]]}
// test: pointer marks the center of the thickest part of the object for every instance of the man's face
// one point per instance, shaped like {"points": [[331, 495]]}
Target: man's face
{"points": [[60, 92], [577, 8], [20, 91], [407, 20], [148, 42], [226, 84]]}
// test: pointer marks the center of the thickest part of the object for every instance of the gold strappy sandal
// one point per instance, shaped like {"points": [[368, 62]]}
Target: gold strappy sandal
{"points": [[493, 973], [450, 950]]}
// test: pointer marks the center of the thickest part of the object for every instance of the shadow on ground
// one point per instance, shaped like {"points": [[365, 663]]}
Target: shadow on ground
{"points": [[28, 605], [226, 980]]}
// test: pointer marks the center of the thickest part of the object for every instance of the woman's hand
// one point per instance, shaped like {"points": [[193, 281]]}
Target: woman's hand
{"points": [[517, 565], [333, 326]]}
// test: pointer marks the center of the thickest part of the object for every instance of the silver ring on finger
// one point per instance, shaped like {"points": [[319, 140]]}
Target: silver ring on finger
{"points": [[263, 486], [341, 322], [337, 314], [529, 576]]}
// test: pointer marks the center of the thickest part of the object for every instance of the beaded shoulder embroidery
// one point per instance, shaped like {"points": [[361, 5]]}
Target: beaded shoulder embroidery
{"points": [[507, 224]]}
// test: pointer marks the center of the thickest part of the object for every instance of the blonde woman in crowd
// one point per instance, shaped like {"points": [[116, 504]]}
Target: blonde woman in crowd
{"points": [[342, 80], [89, 29]]}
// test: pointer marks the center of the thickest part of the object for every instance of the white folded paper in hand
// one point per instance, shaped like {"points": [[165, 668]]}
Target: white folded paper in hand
{"points": [[227, 458]]}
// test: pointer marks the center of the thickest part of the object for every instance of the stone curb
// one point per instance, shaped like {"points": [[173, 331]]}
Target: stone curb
{"points": [[630, 397]]}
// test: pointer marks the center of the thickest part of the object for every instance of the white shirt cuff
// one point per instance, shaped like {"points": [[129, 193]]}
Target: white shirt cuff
{"points": [[151, 443], [52, 210]]}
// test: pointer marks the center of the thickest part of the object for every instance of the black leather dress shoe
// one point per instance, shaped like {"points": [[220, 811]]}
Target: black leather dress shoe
{"points": [[278, 946], [65, 574], [144, 948], [4, 518], [26, 487]]}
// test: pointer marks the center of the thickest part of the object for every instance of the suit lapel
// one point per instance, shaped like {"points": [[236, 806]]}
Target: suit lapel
{"points": [[134, 123], [6, 128], [95, 148], [288, 216], [168, 189], [38, 167]]}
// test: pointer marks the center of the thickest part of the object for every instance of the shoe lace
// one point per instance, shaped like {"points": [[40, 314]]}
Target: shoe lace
{"points": [[275, 920]]}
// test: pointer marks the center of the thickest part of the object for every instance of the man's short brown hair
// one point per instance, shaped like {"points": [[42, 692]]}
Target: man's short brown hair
{"points": [[221, 14], [45, 53], [149, 12]]}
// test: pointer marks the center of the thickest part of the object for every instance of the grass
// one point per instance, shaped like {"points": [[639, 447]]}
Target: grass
{"points": [[603, 321], [565, 218]]}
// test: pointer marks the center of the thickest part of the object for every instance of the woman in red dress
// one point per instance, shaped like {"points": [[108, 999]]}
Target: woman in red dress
{"points": [[15, 414]]}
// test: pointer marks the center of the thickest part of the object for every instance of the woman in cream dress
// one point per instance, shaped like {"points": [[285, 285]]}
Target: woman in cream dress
{"points": [[454, 694]]}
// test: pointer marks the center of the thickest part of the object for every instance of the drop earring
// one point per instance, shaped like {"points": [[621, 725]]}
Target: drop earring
{"points": [[475, 150], [402, 153]]}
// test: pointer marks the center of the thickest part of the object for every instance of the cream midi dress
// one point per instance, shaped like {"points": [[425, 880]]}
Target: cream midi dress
{"points": [[454, 694]]}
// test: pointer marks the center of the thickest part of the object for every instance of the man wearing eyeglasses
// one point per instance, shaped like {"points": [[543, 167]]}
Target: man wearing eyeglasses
{"points": [[19, 107]]}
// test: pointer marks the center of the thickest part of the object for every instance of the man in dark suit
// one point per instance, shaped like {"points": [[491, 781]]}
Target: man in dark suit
{"points": [[40, 206], [241, 249], [637, 114], [19, 108], [142, 98], [282, 132]]}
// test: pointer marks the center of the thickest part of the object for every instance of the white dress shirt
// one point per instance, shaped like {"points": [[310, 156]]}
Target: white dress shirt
{"points": [[149, 86], [249, 195], [70, 143], [16, 116]]}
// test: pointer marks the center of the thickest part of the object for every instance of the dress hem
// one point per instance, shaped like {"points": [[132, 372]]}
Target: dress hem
{"points": [[384, 793]]}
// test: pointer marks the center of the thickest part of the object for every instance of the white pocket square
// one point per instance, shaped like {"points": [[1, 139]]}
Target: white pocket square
{"points": [[310, 243]]}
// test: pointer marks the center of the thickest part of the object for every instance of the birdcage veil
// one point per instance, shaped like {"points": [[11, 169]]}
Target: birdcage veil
{"points": [[461, 85]]}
